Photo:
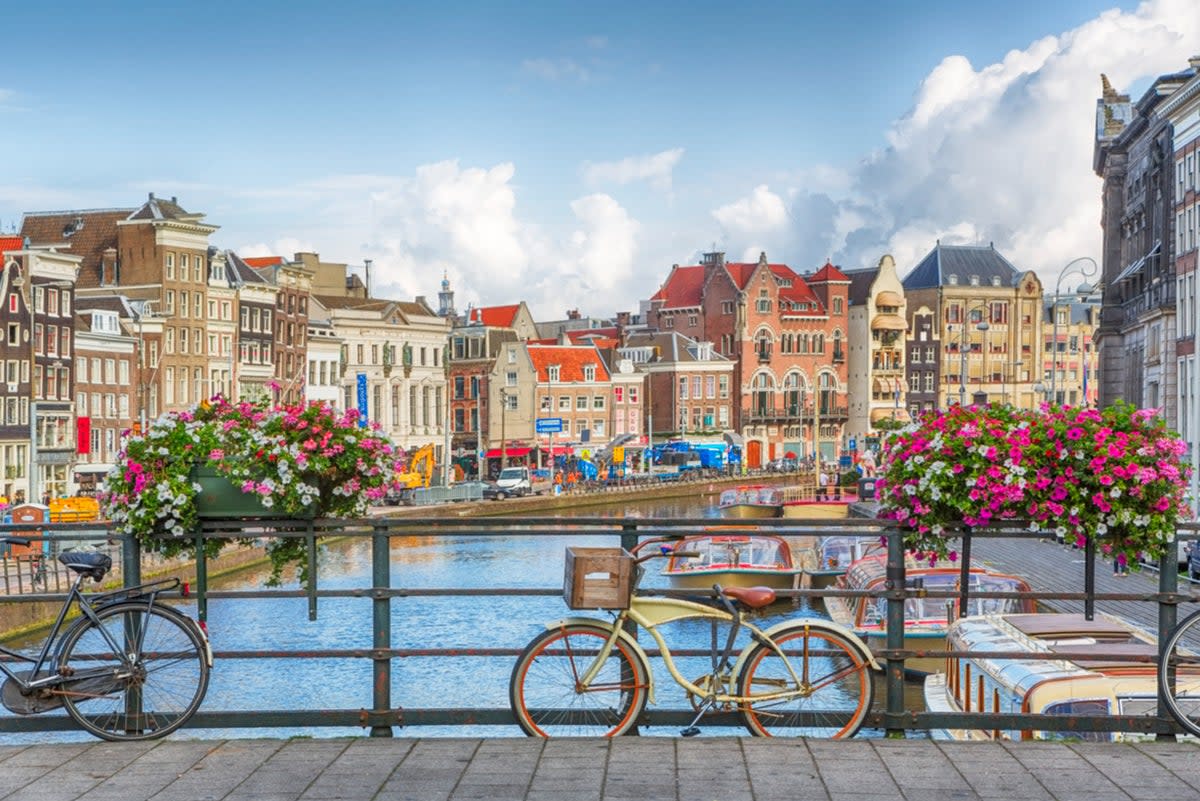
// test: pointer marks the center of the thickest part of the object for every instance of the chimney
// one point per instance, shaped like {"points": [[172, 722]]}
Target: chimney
{"points": [[573, 314]]}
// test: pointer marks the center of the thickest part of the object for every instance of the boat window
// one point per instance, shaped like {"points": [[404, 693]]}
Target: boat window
{"points": [[1081, 706]]}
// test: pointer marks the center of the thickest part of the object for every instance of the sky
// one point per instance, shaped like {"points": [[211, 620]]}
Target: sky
{"points": [[567, 155]]}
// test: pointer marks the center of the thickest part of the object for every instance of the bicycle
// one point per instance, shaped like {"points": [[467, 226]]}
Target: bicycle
{"points": [[129, 668], [590, 677], [1179, 673]]}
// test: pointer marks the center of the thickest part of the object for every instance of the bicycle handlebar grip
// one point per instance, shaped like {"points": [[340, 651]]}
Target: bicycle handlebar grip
{"points": [[16, 540]]}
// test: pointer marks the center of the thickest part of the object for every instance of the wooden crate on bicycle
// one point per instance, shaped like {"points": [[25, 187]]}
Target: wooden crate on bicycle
{"points": [[598, 578]]}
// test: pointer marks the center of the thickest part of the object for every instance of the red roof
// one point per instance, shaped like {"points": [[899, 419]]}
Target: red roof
{"points": [[682, 289], [585, 336], [830, 273], [8, 243], [263, 261], [571, 359], [494, 316]]}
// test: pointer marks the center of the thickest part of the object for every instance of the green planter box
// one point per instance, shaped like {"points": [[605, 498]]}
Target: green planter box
{"points": [[220, 497]]}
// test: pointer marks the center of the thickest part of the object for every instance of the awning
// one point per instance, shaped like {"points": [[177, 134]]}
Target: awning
{"points": [[884, 385], [558, 450], [1136, 267], [888, 322], [888, 298], [494, 453], [896, 413]]}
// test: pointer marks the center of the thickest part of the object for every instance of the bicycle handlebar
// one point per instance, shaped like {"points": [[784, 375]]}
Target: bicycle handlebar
{"points": [[16, 540]]}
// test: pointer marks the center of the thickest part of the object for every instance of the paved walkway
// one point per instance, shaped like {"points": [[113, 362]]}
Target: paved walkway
{"points": [[641, 768]]}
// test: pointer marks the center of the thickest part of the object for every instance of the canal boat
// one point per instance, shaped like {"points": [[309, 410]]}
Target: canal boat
{"points": [[925, 619], [807, 502], [1072, 685], [732, 559], [832, 556], [751, 501]]}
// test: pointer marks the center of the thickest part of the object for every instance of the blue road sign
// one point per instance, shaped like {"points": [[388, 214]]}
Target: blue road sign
{"points": [[362, 400], [548, 425]]}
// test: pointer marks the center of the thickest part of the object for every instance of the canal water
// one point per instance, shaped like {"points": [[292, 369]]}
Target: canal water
{"points": [[469, 561]]}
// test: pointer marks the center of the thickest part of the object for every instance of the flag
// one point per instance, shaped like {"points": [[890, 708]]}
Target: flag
{"points": [[1085, 375]]}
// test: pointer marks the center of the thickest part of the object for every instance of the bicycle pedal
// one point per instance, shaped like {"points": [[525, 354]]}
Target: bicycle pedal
{"points": [[690, 731]]}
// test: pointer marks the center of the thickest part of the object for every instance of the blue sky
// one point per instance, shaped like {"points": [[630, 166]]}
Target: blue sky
{"points": [[568, 155]]}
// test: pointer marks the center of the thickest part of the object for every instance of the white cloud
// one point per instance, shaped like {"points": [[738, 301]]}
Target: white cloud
{"points": [[463, 222], [1001, 153], [562, 69], [657, 169]]}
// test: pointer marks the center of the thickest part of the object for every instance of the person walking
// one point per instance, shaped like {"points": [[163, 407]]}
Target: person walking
{"points": [[1120, 567], [823, 482]]}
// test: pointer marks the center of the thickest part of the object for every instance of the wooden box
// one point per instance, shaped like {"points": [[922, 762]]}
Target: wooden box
{"points": [[598, 578]]}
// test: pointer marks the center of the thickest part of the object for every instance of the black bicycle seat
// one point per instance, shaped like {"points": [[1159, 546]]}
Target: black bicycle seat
{"points": [[87, 563]]}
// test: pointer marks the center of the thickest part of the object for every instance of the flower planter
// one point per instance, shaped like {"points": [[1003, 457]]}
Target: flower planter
{"points": [[219, 497]]}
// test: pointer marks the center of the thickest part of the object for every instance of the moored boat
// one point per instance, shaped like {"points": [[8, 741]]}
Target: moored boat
{"points": [[732, 560], [925, 619], [751, 501], [818, 503], [1091, 685], [832, 556]]}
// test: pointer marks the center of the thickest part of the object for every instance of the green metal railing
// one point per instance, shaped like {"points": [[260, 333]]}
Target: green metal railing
{"points": [[385, 714]]}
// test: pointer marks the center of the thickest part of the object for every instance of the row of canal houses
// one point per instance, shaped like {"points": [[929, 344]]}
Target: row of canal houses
{"points": [[114, 316]]}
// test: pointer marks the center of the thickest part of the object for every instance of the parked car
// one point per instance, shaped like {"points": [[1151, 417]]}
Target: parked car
{"points": [[1193, 560], [491, 492], [783, 465]]}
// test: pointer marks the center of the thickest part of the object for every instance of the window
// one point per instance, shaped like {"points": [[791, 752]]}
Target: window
{"points": [[169, 302], [723, 383], [52, 302], [65, 302], [183, 345], [763, 304], [693, 320], [697, 386], [64, 342], [727, 307], [564, 403], [510, 378], [837, 305], [589, 372], [597, 401], [13, 302], [618, 394], [683, 388], [552, 372], [581, 403], [39, 300], [168, 386], [80, 370], [14, 333], [170, 269], [198, 309], [110, 373]]}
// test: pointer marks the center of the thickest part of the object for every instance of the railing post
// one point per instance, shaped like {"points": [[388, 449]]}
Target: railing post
{"points": [[1168, 584], [131, 561], [964, 575], [201, 577], [1089, 579], [895, 632], [381, 608]]}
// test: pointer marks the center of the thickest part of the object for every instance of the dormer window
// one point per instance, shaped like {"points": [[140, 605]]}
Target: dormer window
{"points": [[952, 279], [589, 372], [995, 280], [974, 280], [553, 372]]}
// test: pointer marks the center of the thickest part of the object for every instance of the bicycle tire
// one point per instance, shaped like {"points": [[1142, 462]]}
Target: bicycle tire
{"points": [[543, 689], [1181, 654], [835, 678], [166, 679]]}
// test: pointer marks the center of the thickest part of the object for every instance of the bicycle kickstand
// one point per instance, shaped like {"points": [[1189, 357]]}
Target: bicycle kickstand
{"points": [[693, 729]]}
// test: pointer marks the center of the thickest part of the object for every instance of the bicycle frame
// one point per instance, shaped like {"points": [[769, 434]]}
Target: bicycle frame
{"points": [[88, 608], [650, 612]]}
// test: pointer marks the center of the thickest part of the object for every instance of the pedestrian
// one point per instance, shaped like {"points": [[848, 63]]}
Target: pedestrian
{"points": [[1120, 566], [823, 480]]}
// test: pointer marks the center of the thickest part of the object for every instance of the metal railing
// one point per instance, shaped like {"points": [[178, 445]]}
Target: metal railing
{"points": [[383, 709]]}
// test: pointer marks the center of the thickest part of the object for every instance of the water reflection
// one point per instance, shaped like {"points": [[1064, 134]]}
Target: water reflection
{"points": [[472, 561]]}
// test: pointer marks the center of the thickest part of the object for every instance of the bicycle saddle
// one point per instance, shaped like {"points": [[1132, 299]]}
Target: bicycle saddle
{"points": [[91, 564], [753, 597]]}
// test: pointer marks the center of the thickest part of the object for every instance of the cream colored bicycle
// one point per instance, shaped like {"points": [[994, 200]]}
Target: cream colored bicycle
{"points": [[589, 677]]}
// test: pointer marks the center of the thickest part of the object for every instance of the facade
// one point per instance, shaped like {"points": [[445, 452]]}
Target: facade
{"points": [[1182, 112], [688, 388], [923, 367], [1137, 337], [324, 357], [573, 384], [256, 302], [105, 385], [1071, 364], [876, 326], [393, 367], [786, 335], [989, 325], [475, 344], [222, 327], [293, 282]]}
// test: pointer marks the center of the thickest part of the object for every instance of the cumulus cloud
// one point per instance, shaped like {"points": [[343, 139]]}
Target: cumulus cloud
{"points": [[462, 222], [996, 153], [657, 169]]}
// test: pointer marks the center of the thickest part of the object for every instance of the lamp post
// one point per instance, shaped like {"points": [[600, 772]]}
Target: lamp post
{"points": [[1073, 266], [503, 418], [962, 348]]}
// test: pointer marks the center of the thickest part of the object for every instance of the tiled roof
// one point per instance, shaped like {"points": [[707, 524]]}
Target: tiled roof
{"points": [[860, 285], [571, 359], [341, 302], [493, 316], [411, 309], [829, 273], [86, 234], [682, 289], [263, 261], [113, 303], [583, 336], [156, 208], [963, 262], [8, 243], [673, 347]]}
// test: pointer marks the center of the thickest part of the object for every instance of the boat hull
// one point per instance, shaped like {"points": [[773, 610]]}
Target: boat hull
{"points": [[746, 511], [734, 577], [816, 510]]}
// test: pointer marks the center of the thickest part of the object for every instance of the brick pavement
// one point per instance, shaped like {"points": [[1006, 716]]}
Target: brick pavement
{"points": [[626, 769]]}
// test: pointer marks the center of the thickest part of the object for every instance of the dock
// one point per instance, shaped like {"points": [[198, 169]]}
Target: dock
{"points": [[625, 769]]}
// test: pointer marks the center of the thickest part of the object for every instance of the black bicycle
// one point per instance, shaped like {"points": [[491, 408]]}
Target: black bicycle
{"points": [[1179, 673], [130, 668]]}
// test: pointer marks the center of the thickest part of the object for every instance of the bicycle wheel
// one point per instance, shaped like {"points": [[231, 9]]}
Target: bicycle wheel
{"points": [[148, 691], [544, 690], [830, 695], [1179, 673]]}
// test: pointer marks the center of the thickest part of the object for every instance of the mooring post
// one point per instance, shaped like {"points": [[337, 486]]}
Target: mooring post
{"points": [[381, 607], [895, 632]]}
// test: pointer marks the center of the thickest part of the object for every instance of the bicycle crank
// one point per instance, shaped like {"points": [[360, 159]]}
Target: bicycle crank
{"points": [[704, 703]]}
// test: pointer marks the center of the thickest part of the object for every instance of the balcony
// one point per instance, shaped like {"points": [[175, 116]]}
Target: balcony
{"points": [[790, 415], [764, 353], [839, 355]]}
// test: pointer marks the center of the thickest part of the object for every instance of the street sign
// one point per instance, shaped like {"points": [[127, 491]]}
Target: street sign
{"points": [[548, 425], [852, 444]]}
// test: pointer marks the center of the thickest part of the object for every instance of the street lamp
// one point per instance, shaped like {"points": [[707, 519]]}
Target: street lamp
{"points": [[962, 348], [1073, 266], [503, 418]]}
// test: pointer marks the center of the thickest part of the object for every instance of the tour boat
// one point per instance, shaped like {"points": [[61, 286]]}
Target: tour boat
{"points": [[751, 501], [812, 503], [732, 560], [832, 556], [1076, 684], [925, 619]]}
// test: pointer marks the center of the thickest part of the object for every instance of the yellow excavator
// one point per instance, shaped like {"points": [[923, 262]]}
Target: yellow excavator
{"points": [[420, 469]]}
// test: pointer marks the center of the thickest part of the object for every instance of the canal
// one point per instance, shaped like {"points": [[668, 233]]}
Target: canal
{"points": [[468, 561]]}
